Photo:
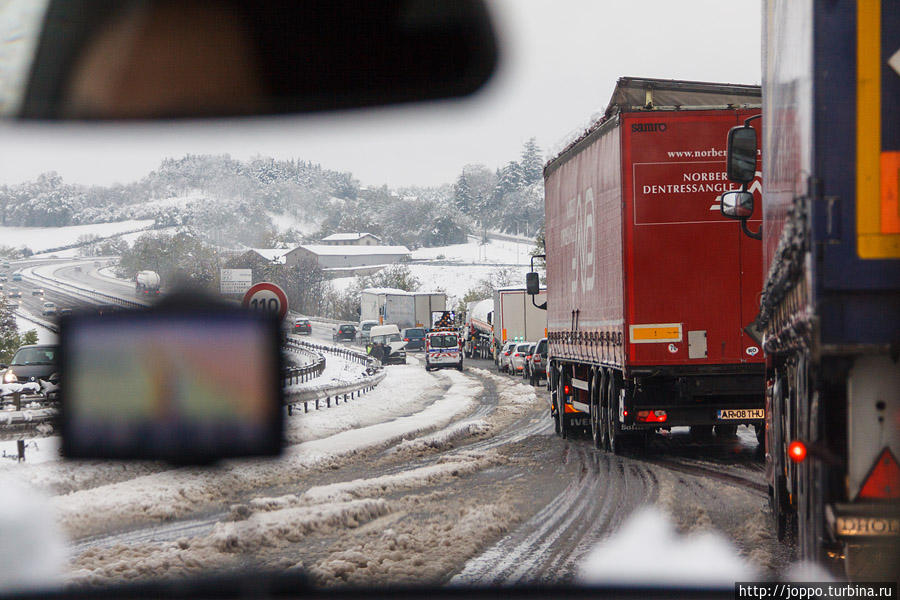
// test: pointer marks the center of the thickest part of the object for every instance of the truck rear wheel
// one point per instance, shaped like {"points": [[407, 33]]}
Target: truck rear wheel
{"points": [[561, 427], [613, 435], [596, 422]]}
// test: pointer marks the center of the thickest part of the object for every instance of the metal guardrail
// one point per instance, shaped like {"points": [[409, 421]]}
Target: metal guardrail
{"points": [[347, 353], [294, 375], [334, 394]]}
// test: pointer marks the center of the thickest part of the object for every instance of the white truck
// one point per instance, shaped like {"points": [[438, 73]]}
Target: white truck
{"points": [[516, 318], [146, 283], [478, 330], [405, 309]]}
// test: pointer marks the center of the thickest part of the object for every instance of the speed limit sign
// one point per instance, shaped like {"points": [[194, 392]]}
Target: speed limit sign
{"points": [[268, 297]]}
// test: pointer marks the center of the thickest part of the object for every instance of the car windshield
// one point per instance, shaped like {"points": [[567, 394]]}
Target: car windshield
{"points": [[34, 356], [444, 341], [450, 469]]}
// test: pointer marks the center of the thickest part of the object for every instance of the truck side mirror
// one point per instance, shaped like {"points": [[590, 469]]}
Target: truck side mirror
{"points": [[737, 204], [741, 167], [532, 284]]}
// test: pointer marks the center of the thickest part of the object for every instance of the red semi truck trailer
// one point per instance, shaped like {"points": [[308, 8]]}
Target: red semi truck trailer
{"points": [[649, 289]]}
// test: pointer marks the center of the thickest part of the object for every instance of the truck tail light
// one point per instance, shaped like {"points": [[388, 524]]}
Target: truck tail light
{"points": [[797, 451], [405, 339], [652, 416], [567, 390]]}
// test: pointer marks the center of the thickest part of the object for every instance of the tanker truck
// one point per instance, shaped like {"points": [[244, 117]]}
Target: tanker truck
{"points": [[478, 329], [146, 283]]}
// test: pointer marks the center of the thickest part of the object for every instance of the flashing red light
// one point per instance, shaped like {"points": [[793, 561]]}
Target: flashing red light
{"points": [[405, 339], [567, 390], [797, 451]]}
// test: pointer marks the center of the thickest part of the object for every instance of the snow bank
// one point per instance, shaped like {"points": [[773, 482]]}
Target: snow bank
{"points": [[648, 549], [175, 493], [33, 550], [292, 524]]}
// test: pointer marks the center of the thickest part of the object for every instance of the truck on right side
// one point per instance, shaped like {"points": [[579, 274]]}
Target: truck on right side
{"points": [[829, 313]]}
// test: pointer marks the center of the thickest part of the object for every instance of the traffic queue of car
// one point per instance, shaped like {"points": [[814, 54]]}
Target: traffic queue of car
{"points": [[525, 359]]}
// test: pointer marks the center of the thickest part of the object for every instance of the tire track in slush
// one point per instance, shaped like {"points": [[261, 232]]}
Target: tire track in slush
{"points": [[551, 542]]}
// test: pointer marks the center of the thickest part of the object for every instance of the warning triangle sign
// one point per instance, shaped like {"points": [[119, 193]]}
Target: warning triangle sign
{"points": [[883, 481]]}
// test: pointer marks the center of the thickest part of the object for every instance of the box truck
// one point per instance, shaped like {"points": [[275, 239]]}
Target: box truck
{"points": [[829, 314], [517, 317], [649, 289]]}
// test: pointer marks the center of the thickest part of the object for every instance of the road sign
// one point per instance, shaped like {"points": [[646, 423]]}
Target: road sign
{"points": [[266, 296], [235, 281]]}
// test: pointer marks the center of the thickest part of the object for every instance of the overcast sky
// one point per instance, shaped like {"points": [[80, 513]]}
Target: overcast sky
{"points": [[559, 65]]}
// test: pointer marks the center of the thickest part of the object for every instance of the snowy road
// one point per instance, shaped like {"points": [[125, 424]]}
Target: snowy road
{"points": [[440, 477]]}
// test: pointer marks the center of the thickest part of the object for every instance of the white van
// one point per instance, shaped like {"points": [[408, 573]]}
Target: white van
{"points": [[389, 337], [442, 349]]}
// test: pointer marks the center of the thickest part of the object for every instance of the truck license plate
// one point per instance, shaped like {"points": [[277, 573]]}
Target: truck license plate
{"points": [[740, 414]]}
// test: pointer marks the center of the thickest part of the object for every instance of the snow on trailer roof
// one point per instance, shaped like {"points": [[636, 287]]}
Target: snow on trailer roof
{"points": [[326, 250], [397, 292], [649, 94]]}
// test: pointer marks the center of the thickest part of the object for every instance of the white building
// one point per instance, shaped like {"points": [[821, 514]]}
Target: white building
{"points": [[330, 257], [352, 239]]}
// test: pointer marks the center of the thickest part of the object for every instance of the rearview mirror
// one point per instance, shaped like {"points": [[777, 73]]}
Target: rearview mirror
{"points": [[532, 283], [737, 204], [741, 153], [148, 59]]}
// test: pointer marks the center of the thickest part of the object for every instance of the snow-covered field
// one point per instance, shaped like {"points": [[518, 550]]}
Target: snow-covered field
{"points": [[473, 263], [473, 252], [42, 238], [45, 336]]}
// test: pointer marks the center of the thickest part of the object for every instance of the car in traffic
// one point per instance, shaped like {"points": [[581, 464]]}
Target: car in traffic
{"points": [[12, 304], [14, 292], [37, 292], [3, 278], [414, 338], [364, 329], [528, 354], [386, 345], [301, 327], [49, 309], [517, 357], [33, 363], [17, 277], [345, 332], [537, 364], [503, 357], [64, 311]]}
